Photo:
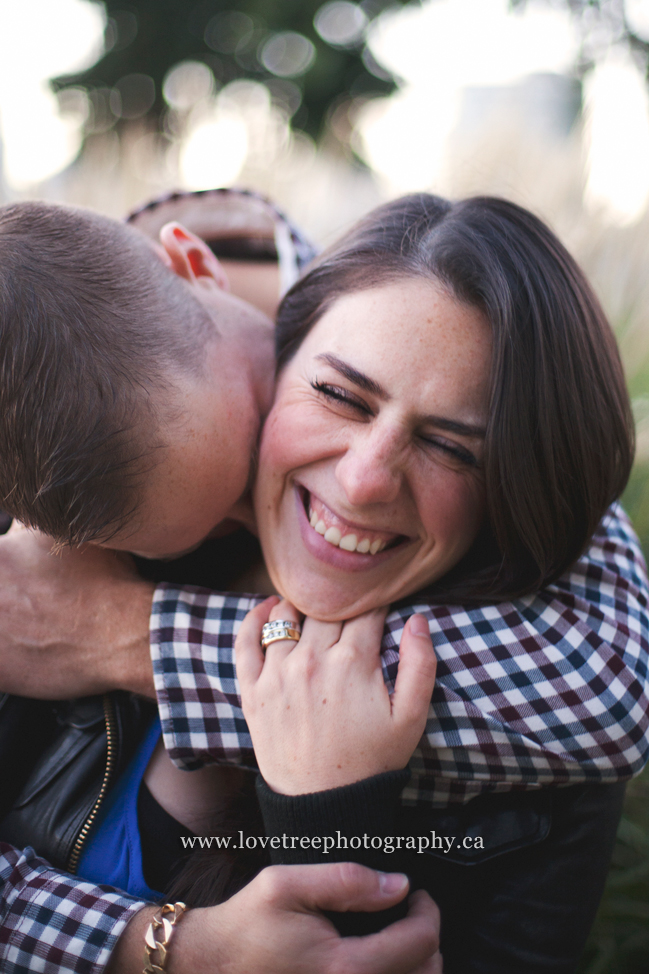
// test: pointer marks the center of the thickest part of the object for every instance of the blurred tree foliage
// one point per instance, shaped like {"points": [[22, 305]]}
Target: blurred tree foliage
{"points": [[603, 23], [312, 55]]}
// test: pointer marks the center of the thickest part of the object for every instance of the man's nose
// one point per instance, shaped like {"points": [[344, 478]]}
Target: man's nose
{"points": [[370, 471]]}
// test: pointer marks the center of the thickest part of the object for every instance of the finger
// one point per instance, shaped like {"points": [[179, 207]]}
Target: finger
{"points": [[415, 681], [248, 654], [364, 635], [283, 611], [319, 635], [316, 634], [339, 886], [405, 947]]}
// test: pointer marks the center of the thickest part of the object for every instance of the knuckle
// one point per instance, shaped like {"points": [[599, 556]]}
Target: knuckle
{"points": [[304, 664], [347, 654], [351, 875], [271, 882]]}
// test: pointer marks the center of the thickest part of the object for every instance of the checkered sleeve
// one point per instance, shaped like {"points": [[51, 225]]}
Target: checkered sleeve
{"points": [[54, 923], [552, 688]]}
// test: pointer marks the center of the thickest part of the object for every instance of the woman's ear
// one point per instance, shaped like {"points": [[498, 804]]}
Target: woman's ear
{"points": [[190, 257]]}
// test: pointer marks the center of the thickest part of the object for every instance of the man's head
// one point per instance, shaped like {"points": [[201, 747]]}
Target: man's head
{"points": [[126, 408]]}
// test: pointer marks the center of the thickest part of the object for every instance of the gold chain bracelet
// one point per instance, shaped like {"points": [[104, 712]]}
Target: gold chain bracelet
{"points": [[161, 946]]}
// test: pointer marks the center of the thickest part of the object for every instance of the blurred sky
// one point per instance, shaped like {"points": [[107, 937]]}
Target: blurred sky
{"points": [[442, 50]]}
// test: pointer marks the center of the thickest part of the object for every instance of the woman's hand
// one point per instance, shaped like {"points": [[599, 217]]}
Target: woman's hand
{"points": [[318, 710]]}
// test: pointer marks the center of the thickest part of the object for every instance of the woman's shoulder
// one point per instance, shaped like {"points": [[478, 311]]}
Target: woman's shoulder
{"points": [[606, 586]]}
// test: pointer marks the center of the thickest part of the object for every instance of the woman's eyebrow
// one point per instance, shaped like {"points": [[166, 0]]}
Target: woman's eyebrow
{"points": [[358, 378], [371, 385], [455, 426]]}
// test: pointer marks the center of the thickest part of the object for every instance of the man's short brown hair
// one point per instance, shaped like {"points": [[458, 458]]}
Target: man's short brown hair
{"points": [[92, 329]]}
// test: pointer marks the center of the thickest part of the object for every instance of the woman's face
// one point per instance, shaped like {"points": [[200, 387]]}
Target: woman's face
{"points": [[370, 479]]}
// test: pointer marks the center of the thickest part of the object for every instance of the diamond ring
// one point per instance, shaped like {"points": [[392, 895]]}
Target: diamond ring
{"points": [[272, 632]]}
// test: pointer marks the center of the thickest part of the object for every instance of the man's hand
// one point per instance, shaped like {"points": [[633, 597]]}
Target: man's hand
{"points": [[274, 926], [71, 623]]}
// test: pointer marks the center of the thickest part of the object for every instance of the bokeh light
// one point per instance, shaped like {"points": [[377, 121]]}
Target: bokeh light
{"points": [[187, 84], [617, 132], [441, 49], [40, 39], [340, 23], [287, 54]]}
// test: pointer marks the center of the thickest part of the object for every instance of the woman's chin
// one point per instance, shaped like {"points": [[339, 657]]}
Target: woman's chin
{"points": [[326, 604]]}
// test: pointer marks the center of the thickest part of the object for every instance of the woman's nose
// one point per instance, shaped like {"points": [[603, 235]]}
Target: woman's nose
{"points": [[370, 470]]}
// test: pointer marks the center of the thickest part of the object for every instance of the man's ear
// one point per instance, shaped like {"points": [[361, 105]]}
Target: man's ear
{"points": [[190, 257]]}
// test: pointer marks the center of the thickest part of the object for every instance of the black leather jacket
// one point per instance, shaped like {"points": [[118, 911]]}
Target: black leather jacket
{"points": [[58, 760]]}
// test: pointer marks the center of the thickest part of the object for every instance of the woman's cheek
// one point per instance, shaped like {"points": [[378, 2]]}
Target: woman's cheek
{"points": [[293, 436], [453, 511]]}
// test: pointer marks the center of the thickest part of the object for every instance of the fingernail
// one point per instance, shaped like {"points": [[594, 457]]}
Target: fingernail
{"points": [[392, 882], [419, 625]]}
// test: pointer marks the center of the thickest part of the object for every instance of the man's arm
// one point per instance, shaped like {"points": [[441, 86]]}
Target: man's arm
{"points": [[72, 623], [55, 923], [550, 689]]}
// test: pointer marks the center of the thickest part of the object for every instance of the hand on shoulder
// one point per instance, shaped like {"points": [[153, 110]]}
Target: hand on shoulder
{"points": [[318, 709]]}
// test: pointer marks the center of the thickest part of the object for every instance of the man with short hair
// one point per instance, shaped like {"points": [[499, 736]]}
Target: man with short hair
{"points": [[135, 376], [132, 398]]}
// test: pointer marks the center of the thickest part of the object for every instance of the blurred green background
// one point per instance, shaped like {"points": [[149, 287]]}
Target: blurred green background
{"points": [[332, 107]]}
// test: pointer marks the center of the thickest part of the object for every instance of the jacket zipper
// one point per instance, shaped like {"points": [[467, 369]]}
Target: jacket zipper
{"points": [[109, 717]]}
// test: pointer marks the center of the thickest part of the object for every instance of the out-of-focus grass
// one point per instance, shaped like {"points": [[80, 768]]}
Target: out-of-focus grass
{"points": [[619, 941], [549, 179], [636, 501]]}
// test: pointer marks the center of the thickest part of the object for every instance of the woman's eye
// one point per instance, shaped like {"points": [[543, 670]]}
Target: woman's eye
{"points": [[339, 395], [453, 450]]}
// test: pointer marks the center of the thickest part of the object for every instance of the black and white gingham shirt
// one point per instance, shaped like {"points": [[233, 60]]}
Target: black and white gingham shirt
{"points": [[550, 689], [52, 922]]}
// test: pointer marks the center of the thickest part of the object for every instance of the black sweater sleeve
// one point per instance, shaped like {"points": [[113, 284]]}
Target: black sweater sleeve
{"points": [[340, 825]]}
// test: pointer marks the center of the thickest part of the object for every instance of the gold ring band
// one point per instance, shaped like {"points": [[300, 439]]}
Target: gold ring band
{"points": [[274, 632]]}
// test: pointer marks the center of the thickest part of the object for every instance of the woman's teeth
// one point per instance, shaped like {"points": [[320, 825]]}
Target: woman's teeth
{"points": [[348, 542]]}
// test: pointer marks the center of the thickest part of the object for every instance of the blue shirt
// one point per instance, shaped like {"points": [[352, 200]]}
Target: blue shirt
{"points": [[113, 851]]}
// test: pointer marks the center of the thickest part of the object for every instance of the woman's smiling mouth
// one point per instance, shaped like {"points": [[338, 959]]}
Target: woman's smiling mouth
{"points": [[336, 532]]}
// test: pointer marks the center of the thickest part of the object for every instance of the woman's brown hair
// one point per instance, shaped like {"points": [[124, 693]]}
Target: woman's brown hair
{"points": [[559, 444]]}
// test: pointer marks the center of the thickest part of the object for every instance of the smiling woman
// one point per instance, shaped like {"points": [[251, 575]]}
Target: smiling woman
{"points": [[450, 426], [373, 480], [451, 412]]}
